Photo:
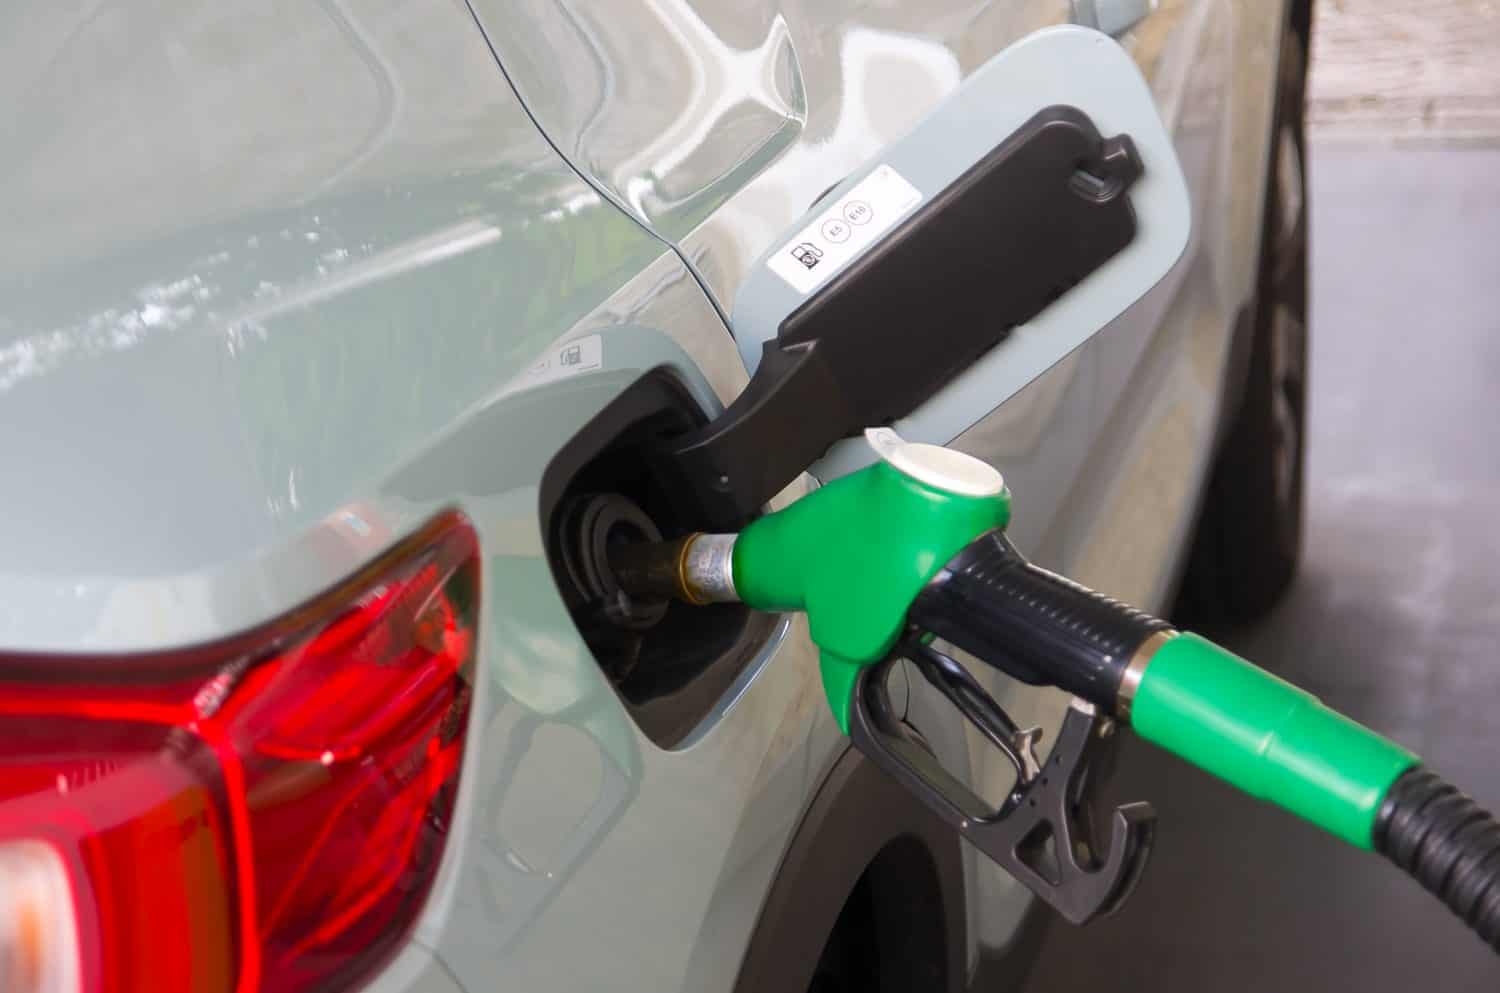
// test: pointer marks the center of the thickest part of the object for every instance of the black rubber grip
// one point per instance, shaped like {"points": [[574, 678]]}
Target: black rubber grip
{"points": [[1448, 842], [1033, 624]]}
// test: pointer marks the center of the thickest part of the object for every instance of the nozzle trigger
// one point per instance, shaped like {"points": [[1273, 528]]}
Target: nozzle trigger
{"points": [[1043, 833]]}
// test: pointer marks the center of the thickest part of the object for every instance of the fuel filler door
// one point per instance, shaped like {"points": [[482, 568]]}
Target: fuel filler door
{"points": [[1026, 212]]}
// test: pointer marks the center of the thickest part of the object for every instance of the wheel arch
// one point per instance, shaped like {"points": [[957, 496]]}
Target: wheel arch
{"points": [[862, 826]]}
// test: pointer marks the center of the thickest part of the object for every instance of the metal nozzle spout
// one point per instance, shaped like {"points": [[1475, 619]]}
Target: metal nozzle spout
{"points": [[698, 568]]}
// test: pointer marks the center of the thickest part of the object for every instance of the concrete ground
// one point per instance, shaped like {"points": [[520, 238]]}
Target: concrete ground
{"points": [[1395, 617]]}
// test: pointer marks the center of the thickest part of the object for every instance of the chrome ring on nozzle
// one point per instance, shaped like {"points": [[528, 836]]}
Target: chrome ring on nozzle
{"points": [[706, 569], [1130, 679], [698, 569]]}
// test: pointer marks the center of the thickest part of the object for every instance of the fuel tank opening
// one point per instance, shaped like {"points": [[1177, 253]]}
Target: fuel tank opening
{"points": [[670, 663], [592, 526]]}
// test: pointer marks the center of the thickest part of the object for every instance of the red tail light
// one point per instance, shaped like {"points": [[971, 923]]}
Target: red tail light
{"points": [[264, 814]]}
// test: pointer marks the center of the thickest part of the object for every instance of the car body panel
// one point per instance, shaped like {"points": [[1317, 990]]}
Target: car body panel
{"points": [[290, 324], [414, 970], [281, 282], [789, 96], [667, 106]]}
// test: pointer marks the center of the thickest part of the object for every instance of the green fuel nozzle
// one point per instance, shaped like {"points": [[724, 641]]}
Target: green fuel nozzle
{"points": [[913, 547], [853, 554]]}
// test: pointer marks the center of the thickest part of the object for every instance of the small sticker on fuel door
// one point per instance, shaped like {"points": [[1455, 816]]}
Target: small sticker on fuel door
{"points": [[840, 232]]}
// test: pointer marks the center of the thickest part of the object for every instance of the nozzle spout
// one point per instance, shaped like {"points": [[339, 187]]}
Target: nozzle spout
{"points": [[697, 569]]}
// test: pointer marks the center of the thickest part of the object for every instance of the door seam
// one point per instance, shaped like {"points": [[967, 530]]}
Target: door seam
{"points": [[588, 181]]}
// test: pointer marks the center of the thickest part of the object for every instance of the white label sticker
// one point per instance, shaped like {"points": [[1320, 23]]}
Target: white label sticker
{"points": [[845, 229], [570, 359]]}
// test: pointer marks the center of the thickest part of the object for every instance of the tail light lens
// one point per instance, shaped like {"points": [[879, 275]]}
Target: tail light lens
{"points": [[264, 814]]}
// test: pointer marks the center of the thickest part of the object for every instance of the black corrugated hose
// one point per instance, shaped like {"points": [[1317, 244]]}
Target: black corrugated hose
{"points": [[1448, 842]]}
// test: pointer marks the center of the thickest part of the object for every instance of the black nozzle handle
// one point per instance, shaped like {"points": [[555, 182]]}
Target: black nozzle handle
{"points": [[1033, 624]]}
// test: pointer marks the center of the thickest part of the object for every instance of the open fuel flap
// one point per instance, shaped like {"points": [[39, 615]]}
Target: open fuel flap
{"points": [[1021, 216]]}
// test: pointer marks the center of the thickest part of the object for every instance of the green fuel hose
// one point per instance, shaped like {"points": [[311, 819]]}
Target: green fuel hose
{"points": [[916, 544]]}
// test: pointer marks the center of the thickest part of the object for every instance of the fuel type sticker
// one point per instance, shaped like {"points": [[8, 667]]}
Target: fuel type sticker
{"points": [[853, 223], [561, 361]]}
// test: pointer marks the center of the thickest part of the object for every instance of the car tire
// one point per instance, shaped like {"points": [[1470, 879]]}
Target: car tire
{"points": [[1249, 537]]}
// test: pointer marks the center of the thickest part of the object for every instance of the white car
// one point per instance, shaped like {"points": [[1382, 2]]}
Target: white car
{"points": [[325, 330]]}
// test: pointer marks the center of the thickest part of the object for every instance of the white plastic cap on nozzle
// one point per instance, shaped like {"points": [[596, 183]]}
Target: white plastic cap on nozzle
{"points": [[938, 467]]}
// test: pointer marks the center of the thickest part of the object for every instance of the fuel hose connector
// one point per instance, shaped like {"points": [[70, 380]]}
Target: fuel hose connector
{"points": [[1281, 744], [1182, 692]]}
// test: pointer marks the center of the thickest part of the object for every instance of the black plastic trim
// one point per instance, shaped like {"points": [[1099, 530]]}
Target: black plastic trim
{"points": [[669, 676]]}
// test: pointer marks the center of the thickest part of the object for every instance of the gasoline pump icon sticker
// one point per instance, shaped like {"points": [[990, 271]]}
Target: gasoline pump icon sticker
{"points": [[807, 253], [845, 228]]}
